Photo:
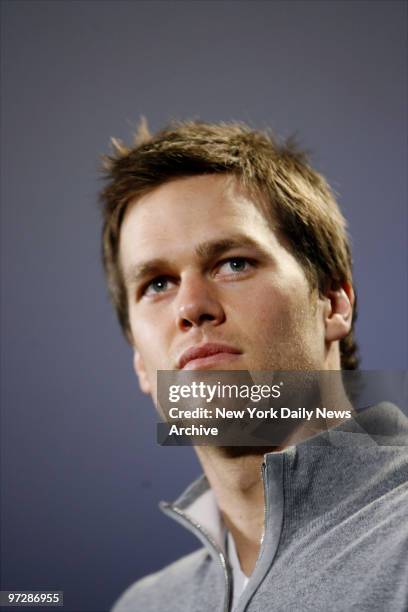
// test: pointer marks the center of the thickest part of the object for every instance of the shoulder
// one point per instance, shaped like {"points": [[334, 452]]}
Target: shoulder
{"points": [[163, 589]]}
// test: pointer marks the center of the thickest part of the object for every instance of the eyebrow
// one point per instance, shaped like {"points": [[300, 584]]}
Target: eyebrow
{"points": [[205, 251]]}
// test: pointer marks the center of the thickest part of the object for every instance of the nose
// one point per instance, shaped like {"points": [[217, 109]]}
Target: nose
{"points": [[198, 303]]}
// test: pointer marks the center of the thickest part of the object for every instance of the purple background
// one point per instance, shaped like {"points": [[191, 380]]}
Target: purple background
{"points": [[81, 473]]}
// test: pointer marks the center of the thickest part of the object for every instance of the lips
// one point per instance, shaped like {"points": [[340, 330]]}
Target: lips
{"points": [[206, 354]]}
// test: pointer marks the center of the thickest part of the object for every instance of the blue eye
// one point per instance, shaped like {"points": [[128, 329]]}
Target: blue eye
{"points": [[234, 265], [157, 285], [238, 264]]}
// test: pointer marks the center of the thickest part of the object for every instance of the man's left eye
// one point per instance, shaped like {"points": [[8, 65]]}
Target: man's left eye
{"points": [[234, 265]]}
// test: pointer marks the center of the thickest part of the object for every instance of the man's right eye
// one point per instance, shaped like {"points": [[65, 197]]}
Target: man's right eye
{"points": [[157, 285]]}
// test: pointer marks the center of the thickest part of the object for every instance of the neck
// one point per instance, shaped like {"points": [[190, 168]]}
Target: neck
{"points": [[238, 488]]}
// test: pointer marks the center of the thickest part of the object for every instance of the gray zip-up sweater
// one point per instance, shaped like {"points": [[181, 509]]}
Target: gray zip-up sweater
{"points": [[336, 531]]}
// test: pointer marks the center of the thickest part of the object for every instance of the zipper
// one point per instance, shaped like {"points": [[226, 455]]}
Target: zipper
{"points": [[264, 470], [205, 537], [247, 595]]}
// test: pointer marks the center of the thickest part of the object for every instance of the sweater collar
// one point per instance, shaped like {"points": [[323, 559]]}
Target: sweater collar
{"points": [[309, 469]]}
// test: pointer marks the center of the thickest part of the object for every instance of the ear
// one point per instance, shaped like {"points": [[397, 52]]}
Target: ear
{"points": [[140, 370], [338, 312]]}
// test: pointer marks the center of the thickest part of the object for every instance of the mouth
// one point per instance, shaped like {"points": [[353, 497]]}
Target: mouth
{"points": [[207, 356]]}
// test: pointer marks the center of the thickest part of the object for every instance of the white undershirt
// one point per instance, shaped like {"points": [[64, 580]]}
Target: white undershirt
{"points": [[239, 579]]}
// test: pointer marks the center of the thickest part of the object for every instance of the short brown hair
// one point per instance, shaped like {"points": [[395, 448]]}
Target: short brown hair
{"points": [[299, 198]]}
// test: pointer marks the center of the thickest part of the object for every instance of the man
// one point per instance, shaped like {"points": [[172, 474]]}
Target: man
{"points": [[224, 250]]}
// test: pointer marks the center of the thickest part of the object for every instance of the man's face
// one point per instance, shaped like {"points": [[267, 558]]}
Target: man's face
{"points": [[212, 286]]}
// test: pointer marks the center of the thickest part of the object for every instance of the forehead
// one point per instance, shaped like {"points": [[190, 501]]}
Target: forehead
{"points": [[179, 214]]}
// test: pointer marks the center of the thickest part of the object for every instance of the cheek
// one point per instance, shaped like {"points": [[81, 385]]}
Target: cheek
{"points": [[151, 338], [271, 303], [278, 310], [143, 336]]}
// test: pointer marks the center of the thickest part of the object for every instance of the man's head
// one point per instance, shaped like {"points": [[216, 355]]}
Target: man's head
{"points": [[215, 233]]}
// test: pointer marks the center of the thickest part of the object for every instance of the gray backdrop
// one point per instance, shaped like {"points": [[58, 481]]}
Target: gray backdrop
{"points": [[81, 473]]}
